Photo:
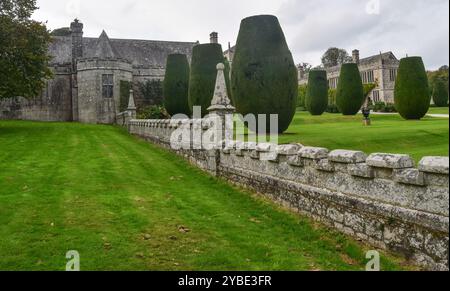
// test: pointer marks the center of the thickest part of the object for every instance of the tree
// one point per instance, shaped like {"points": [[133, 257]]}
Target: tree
{"points": [[63, 31], [317, 92], [202, 80], [334, 57], [264, 77], [23, 50], [350, 91], [441, 75], [305, 66], [125, 87], [440, 94], [412, 94], [151, 92], [367, 89], [176, 85], [302, 97]]}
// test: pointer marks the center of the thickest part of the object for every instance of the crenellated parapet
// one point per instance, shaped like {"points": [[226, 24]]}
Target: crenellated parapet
{"points": [[383, 199]]}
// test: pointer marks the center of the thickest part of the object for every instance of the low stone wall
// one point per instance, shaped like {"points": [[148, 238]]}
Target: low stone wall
{"points": [[382, 199]]}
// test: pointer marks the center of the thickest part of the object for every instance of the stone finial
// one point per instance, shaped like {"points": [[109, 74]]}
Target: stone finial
{"points": [[76, 26], [131, 104], [221, 101]]}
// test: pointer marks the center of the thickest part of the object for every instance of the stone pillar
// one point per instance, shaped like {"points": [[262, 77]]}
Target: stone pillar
{"points": [[131, 109], [221, 107], [76, 30]]}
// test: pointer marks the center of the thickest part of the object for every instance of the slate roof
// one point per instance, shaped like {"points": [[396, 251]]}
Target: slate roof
{"points": [[384, 56], [140, 53], [104, 48], [232, 49]]}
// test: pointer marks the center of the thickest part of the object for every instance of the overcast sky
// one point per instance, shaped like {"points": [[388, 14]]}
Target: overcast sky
{"points": [[413, 27]]}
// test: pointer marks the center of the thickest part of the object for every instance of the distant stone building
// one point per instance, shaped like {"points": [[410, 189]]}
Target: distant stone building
{"points": [[229, 53], [88, 74], [380, 69]]}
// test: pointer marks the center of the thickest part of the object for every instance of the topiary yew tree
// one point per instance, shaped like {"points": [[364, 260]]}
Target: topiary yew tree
{"points": [[316, 100], [440, 94], [412, 94], [202, 81], [176, 85], [350, 91], [263, 74]]}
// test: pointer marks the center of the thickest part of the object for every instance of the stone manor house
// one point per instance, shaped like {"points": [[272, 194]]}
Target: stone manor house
{"points": [[87, 76], [380, 69]]}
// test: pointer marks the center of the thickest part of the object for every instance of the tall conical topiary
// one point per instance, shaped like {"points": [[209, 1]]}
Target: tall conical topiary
{"points": [[176, 85], [316, 100], [412, 94], [263, 74], [202, 81], [350, 91], [440, 94]]}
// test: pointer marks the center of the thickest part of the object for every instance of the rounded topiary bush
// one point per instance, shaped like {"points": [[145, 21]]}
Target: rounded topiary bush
{"points": [[440, 94], [176, 85], [316, 100], [263, 75], [412, 94], [350, 91], [202, 81]]}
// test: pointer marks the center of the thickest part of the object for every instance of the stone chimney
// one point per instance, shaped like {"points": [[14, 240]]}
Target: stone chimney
{"points": [[355, 56], [76, 29], [214, 37]]}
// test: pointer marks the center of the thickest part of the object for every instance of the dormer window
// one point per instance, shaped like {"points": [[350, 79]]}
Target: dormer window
{"points": [[107, 86]]}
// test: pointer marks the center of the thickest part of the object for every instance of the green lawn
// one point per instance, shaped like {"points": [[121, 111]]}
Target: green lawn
{"points": [[388, 134], [438, 110], [124, 204]]}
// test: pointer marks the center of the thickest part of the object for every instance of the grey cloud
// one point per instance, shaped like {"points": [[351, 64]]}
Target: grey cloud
{"points": [[415, 27]]}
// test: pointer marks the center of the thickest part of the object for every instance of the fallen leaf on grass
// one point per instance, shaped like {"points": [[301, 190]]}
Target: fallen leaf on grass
{"points": [[348, 260], [255, 220], [183, 229]]}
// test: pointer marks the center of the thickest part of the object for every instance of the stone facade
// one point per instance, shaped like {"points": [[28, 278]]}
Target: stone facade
{"points": [[53, 104], [87, 75], [92, 106], [380, 69]]}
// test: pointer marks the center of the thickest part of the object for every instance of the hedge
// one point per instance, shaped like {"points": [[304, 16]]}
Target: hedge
{"points": [[202, 81], [412, 94], [264, 77], [440, 94], [317, 92], [176, 85], [350, 91]]}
